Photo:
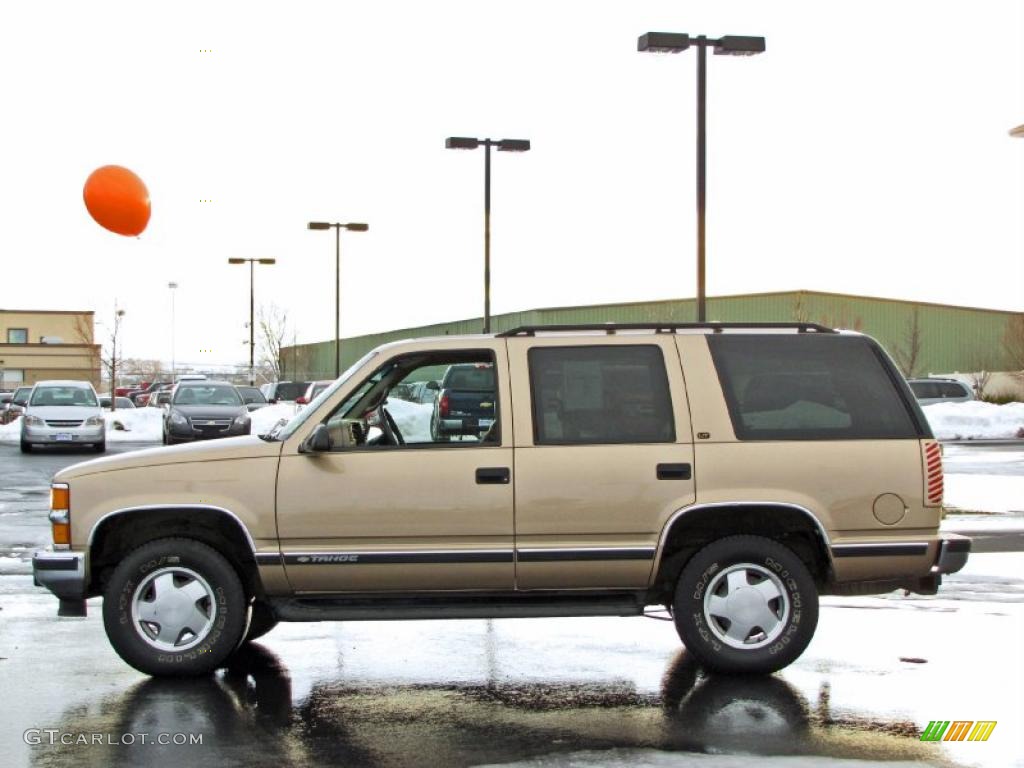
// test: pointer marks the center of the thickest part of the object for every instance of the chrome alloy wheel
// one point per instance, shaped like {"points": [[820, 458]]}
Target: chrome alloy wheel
{"points": [[173, 609], [746, 606]]}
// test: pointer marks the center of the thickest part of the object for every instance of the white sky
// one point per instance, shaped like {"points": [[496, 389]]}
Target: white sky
{"points": [[865, 152]]}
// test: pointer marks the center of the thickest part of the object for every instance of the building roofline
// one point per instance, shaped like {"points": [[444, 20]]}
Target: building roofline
{"points": [[48, 311]]}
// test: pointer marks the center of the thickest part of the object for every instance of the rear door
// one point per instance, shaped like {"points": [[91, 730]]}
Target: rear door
{"points": [[603, 457]]}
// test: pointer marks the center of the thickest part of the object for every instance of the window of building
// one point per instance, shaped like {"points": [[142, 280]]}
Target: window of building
{"points": [[600, 394], [11, 377], [17, 335], [805, 387]]}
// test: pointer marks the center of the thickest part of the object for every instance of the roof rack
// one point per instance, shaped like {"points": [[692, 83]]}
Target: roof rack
{"points": [[610, 328]]}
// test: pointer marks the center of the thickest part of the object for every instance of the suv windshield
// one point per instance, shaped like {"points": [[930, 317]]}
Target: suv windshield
{"points": [[206, 395], [73, 396]]}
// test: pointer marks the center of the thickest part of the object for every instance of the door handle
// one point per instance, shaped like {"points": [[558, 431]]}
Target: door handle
{"points": [[674, 472], [493, 475]]}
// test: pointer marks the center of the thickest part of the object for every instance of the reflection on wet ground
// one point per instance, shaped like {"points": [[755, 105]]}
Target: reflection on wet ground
{"points": [[247, 716]]}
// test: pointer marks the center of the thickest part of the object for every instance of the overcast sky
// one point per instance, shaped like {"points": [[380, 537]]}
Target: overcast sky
{"points": [[866, 152]]}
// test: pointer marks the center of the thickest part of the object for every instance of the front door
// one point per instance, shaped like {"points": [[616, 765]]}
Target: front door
{"points": [[402, 505]]}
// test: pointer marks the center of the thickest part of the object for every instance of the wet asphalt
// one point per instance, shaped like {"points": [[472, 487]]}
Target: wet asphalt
{"points": [[596, 691]]}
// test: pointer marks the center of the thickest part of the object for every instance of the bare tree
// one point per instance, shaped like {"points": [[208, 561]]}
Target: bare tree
{"points": [[908, 352], [1013, 345], [979, 381], [800, 313], [273, 330], [106, 356]]}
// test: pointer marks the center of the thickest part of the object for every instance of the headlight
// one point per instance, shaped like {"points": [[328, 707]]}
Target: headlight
{"points": [[178, 418], [34, 421], [94, 421], [242, 420]]}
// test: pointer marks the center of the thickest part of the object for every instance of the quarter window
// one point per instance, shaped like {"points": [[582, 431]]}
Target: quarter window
{"points": [[600, 395], [805, 387]]}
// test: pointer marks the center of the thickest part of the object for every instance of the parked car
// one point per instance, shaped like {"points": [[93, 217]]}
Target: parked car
{"points": [[202, 410], [673, 467], [314, 389], [122, 402], [142, 398], [465, 402], [252, 397], [931, 391], [160, 398], [284, 391], [63, 413]]}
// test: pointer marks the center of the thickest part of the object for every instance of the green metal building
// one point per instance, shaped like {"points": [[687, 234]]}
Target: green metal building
{"points": [[948, 338]]}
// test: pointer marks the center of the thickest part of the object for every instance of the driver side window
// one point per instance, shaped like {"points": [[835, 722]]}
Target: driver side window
{"points": [[422, 400]]}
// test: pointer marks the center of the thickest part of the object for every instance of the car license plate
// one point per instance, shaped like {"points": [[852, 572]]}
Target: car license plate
{"points": [[63, 437], [486, 423]]}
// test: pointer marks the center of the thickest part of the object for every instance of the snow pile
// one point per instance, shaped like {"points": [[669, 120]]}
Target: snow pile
{"points": [[135, 425], [975, 420], [413, 419], [263, 419]]}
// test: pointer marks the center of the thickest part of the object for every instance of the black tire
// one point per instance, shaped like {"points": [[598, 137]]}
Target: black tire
{"points": [[261, 621], [225, 606], [704, 633], [26, 447], [164, 436], [100, 447]]}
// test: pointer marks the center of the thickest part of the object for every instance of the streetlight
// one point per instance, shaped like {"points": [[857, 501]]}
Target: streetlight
{"points": [[503, 145], [173, 287], [351, 227], [252, 307], [730, 45]]}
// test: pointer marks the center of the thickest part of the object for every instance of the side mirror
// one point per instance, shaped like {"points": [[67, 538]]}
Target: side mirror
{"points": [[319, 440], [433, 385]]}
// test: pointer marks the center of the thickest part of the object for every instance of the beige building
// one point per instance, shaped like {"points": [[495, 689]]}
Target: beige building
{"points": [[43, 344]]}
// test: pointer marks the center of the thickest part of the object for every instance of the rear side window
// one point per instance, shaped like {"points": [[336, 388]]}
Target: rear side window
{"points": [[804, 387], [600, 394]]}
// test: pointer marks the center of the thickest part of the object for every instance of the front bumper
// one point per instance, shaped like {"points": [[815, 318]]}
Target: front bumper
{"points": [[63, 573], [63, 435], [953, 552], [203, 431]]}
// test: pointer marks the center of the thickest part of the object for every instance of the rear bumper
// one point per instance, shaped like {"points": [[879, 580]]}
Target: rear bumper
{"points": [[953, 553], [63, 573]]}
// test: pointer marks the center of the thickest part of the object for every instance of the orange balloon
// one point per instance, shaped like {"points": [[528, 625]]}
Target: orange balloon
{"points": [[117, 199]]}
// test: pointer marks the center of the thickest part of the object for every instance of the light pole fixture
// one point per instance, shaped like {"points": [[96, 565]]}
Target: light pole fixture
{"points": [[351, 227], [503, 145], [730, 45], [173, 287], [252, 307]]}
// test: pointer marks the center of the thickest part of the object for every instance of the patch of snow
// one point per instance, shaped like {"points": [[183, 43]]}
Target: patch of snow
{"points": [[984, 493], [10, 566], [413, 419], [135, 425], [263, 419], [975, 420]]}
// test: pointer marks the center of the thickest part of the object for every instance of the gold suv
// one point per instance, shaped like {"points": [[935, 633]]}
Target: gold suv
{"points": [[730, 473]]}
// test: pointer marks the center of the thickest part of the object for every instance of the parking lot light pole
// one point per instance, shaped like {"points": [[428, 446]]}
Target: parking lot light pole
{"points": [[503, 145], [173, 287], [730, 45], [252, 310], [352, 227]]}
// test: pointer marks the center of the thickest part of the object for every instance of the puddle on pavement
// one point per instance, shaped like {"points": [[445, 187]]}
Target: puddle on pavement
{"points": [[247, 715]]}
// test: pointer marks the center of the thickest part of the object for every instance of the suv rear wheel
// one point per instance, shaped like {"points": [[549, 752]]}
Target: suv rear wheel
{"points": [[174, 607], [745, 604]]}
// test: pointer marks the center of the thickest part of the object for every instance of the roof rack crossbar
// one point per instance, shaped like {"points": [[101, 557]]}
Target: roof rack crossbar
{"points": [[531, 330]]}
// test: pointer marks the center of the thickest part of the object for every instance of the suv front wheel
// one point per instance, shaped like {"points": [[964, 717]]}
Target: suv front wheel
{"points": [[174, 607], [745, 604]]}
